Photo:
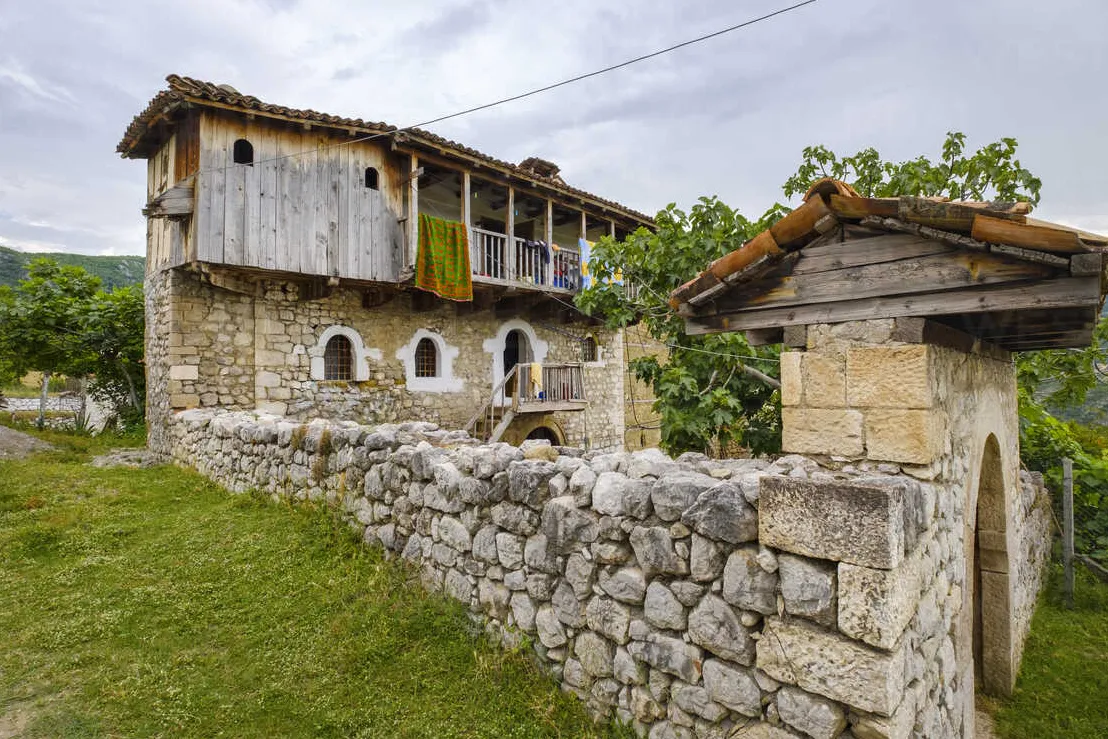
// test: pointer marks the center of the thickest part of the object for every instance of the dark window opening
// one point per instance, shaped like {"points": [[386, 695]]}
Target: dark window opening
{"points": [[592, 353], [243, 152], [426, 359], [372, 180], [338, 359]]}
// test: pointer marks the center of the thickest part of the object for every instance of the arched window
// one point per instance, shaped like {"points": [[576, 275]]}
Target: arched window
{"points": [[591, 350], [338, 359], [372, 178], [243, 152], [426, 359]]}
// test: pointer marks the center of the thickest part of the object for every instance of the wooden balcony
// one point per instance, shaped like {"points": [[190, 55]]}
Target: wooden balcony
{"points": [[562, 388], [496, 259]]}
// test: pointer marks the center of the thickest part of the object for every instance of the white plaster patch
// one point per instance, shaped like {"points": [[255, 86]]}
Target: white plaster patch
{"points": [[361, 353], [445, 381]]}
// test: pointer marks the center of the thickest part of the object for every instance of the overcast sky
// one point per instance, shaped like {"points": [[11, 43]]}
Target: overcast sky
{"points": [[728, 116]]}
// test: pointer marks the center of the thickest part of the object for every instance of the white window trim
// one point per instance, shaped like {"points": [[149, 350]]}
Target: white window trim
{"points": [[446, 382], [362, 353], [495, 346], [601, 359]]}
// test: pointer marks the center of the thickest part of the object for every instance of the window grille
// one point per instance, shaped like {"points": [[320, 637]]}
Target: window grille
{"points": [[591, 350], [338, 359], [426, 359]]}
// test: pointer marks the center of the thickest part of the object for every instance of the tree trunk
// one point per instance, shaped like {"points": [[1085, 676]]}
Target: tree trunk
{"points": [[42, 400], [130, 386]]}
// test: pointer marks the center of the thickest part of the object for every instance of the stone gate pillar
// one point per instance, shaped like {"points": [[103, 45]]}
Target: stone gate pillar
{"points": [[916, 398]]}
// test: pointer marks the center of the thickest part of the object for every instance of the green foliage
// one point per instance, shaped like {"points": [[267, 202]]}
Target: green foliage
{"points": [[113, 271], [58, 321], [708, 391], [151, 603], [990, 173]]}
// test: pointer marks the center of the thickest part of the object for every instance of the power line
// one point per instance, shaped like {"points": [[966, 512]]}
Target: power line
{"points": [[537, 90]]}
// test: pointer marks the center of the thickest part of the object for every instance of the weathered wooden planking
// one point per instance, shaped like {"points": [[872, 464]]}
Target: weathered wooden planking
{"points": [[876, 250], [265, 164], [288, 230], [1068, 292], [221, 163], [334, 175], [906, 276]]}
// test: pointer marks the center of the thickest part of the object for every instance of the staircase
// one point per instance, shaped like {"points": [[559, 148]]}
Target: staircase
{"points": [[562, 388]]}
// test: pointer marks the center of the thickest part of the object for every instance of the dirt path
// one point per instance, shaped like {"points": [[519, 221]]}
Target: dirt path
{"points": [[16, 445]]}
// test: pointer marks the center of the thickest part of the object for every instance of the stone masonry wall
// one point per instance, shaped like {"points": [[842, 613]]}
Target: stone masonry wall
{"points": [[210, 347], [692, 598], [947, 416]]}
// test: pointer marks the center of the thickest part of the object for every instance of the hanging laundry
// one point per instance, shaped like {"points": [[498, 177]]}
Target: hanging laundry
{"points": [[536, 378], [442, 260], [586, 251]]}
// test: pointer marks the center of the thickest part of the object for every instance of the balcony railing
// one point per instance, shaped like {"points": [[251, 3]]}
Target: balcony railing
{"points": [[560, 384], [496, 258]]}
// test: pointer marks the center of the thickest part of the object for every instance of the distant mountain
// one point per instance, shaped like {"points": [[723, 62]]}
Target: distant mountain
{"points": [[112, 271]]}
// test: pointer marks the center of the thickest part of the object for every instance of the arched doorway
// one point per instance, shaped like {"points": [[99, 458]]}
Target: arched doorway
{"points": [[992, 623], [517, 350], [546, 433]]}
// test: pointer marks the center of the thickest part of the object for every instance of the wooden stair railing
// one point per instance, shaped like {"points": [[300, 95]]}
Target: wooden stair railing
{"points": [[488, 411]]}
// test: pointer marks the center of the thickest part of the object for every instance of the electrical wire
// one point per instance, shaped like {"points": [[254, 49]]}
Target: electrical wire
{"points": [[535, 91]]}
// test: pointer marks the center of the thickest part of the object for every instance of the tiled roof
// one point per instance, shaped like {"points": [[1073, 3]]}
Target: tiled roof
{"points": [[183, 90], [830, 202]]}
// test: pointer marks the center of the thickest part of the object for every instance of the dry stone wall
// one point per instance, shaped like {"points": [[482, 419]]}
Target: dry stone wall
{"points": [[690, 597]]}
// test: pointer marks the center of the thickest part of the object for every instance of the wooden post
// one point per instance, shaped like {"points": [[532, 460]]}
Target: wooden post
{"points": [[467, 216], [1067, 528], [548, 274], [612, 229], [510, 241], [413, 214]]}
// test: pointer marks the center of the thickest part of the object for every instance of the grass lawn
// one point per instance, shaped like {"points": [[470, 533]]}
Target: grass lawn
{"points": [[1063, 682], [141, 603]]}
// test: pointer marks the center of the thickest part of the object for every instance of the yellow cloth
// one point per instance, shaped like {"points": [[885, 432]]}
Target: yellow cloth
{"points": [[536, 376]]}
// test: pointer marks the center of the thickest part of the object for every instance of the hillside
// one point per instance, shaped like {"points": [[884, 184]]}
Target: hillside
{"points": [[112, 271]]}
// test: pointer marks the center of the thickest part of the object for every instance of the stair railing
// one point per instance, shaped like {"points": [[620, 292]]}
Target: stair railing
{"points": [[488, 411]]}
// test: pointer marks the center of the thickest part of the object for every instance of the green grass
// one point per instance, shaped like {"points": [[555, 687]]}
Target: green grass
{"points": [[1063, 682], [144, 603]]}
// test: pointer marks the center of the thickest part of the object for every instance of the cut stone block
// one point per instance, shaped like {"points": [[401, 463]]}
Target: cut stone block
{"points": [[843, 522], [822, 431], [909, 436], [889, 377], [875, 606], [792, 389], [795, 652], [824, 381]]}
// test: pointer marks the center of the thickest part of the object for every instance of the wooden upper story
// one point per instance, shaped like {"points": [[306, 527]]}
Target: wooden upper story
{"points": [[235, 182]]}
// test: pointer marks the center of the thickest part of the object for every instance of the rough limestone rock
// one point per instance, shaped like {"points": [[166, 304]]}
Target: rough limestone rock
{"points": [[714, 626], [616, 495], [580, 486], [795, 652], [566, 526], [627, 584], [654, 549], [733, 686], [723, 513], [876, 605], [523, 609], [580, 573], [747, 585], [454, 533], [550, 630], [568, 608], [808, 588], [817, 717], [675, 491], [509, 549], [595, 653], [608, 617], [696, 700], [484, 544], [662, 609], [672, 656], [706, 559], [627, 669]]}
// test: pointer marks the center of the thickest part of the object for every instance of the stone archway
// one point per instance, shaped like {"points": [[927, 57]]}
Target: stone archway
{"points": [[987, 575]]}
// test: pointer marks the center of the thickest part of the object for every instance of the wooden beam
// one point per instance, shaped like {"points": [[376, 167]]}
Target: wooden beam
{"points": [[949, 271], [845, 206], [467, 207], [1087, 264], [413, 214], [858, 252], [952, 216], [764, 336], [1030, 255], [926, 232], [1066, 292], [795, 337], [1040, 238]]}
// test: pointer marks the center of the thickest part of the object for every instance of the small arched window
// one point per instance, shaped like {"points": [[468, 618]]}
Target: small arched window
{"points": [[426, 359], [372, 180], [243, 152], [338, 359], [591, 350]]}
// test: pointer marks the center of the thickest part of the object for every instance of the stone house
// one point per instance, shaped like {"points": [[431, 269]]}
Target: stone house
{"points": [[281, 254]]}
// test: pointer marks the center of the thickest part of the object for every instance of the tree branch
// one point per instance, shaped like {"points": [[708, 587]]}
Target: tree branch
{"points": [[762, 376]]}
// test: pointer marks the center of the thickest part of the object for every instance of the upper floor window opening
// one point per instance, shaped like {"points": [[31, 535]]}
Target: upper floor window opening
{"points": [[372, 178], [338, 359], [426, 359], [243, 152]]}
